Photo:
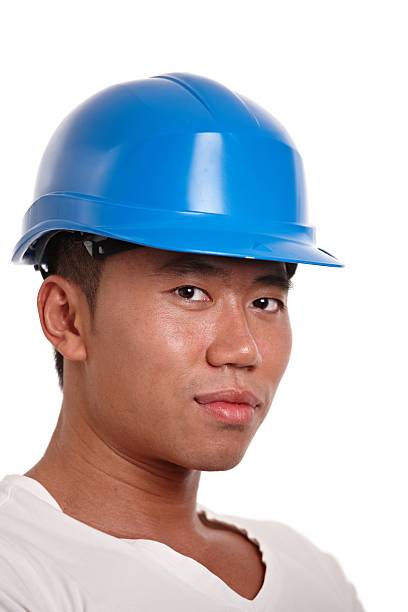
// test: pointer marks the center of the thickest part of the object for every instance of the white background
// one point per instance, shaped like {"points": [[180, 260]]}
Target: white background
{"points": [[331, 458]]}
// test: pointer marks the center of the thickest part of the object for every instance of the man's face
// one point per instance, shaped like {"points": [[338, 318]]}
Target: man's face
{"points": [[162, 336]]}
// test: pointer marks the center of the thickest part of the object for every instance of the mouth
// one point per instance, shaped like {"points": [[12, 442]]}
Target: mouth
{"points": [[234, 396], [231, 406], [228, 412]]}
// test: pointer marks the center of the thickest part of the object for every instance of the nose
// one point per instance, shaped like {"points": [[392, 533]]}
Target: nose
{"points": [[233, 342]]}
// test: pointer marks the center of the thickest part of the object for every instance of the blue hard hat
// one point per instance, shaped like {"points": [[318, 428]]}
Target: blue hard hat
{"points": [[176, 161]]}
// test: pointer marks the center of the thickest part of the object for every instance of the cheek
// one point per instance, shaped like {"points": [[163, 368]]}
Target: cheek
{"points": [[142, 364], [149, 346], [176, 336], [276, 348]]}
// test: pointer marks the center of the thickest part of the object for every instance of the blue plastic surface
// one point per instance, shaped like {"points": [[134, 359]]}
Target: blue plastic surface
{"points": [[178, 162]]}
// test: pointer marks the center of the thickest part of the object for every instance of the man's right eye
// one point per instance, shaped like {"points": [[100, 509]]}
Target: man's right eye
{"points": [[187, 291]]}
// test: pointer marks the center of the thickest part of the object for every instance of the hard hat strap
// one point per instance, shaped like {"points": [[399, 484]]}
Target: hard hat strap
{"points": [[100, 247], [97, 246]]}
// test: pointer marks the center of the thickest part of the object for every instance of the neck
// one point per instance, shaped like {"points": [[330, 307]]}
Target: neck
{"points": [[137, 497]]}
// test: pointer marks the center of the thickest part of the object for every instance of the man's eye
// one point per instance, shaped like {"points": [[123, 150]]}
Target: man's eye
{"points": [[187, 292], [268, 304], [276, 305]]}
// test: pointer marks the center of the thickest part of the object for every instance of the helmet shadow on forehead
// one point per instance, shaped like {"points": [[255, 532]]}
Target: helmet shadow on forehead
{"points": [[164, 263]]}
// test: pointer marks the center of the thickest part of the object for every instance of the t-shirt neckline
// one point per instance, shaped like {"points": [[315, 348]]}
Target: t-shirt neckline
{"points": [[269, 588]]}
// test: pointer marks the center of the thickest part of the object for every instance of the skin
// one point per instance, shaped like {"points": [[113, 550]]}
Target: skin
{"points": [[130, 443]]}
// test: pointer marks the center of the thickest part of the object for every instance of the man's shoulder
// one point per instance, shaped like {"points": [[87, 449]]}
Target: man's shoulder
{"points": [[283, 536], [295, 551]]}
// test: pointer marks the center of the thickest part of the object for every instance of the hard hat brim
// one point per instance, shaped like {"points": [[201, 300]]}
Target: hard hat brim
{"points": [[197, 232]]}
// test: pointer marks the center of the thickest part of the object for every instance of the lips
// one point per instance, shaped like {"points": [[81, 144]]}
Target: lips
{"points": [[234, 396]]}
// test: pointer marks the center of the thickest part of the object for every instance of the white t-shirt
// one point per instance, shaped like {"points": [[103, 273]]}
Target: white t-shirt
{"points": [[51, 562]]}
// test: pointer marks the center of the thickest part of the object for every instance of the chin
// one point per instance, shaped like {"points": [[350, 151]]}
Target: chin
{"points": [[215, 462]]}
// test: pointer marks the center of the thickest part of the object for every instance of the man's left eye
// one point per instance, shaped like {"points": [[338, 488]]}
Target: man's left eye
{"points": [[276, 304], [188, 291]]}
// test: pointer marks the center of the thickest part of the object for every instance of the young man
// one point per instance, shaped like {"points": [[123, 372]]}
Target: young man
{"points": [[169, 216]]}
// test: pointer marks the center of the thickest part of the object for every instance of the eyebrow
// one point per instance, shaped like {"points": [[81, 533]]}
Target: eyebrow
{"points": [[183, 266]]}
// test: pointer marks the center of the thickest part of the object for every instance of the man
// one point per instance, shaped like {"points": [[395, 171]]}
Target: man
{"points": [[169, 216]]}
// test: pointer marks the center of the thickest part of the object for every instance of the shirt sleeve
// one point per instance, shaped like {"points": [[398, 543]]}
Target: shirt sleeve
{"points": [[9, 605], [353, 603], [22, 588], [13, 594], [30, 583]]}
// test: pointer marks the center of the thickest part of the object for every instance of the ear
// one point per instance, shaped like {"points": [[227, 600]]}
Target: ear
{"points": [[61, 309]]}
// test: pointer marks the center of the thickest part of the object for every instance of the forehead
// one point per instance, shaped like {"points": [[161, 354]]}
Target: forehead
{"points": [[161, 264], [217, 265]]}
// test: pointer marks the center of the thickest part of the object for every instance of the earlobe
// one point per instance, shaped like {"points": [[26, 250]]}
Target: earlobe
{"points": [[58, 309]]}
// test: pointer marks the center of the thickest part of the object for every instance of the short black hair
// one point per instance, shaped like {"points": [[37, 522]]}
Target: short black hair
{"points": [[67, 256]]}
